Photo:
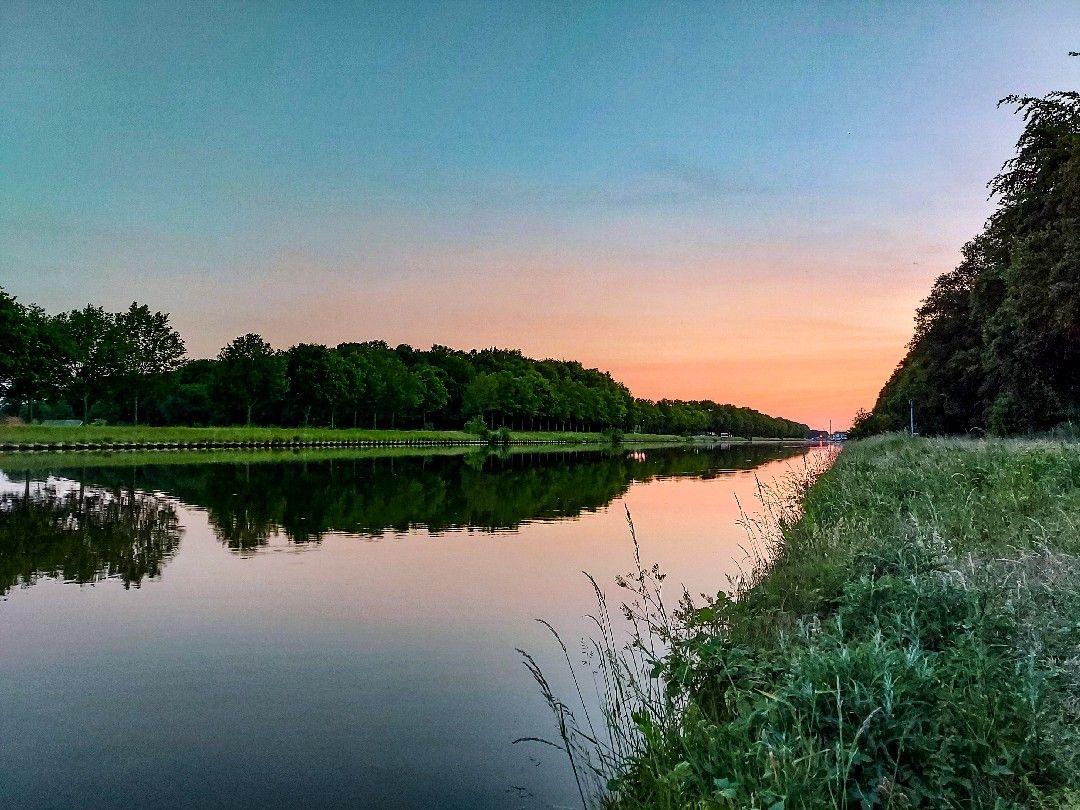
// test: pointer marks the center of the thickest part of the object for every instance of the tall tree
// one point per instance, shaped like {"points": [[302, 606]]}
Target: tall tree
{"points": [[316, 380], [151, 348], [13, 340], [249, 374], [433, 392], [93, 347], [41, 368], [997, 341]]}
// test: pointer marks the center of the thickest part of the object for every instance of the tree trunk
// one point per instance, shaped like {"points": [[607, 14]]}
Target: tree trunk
{"points": [[85, 406], [136, 407], [249, 415]]}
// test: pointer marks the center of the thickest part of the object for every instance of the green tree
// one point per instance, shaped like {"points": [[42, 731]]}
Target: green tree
{"points": [[249, 374], [317, 382], [434, 395], [481, 397], [404, 391], [151, 348], [92, 346], [997, 341]]}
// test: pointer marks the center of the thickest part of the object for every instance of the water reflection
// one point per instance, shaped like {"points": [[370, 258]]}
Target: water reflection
{"points": [[371, 674], [250, 503], [83, 535]]}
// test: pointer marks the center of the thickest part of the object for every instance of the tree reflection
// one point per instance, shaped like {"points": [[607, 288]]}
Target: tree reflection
{"points": [[84, 535], [249, 503]]}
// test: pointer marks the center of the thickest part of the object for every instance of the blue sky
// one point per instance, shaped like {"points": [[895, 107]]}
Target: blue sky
{"points": [[708, 199]]}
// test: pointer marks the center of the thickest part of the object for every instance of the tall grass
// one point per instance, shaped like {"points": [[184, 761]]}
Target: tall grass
{"points": [[906, 633]]}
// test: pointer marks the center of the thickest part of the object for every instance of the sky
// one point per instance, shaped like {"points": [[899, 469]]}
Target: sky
{"points": [[736, 201]]}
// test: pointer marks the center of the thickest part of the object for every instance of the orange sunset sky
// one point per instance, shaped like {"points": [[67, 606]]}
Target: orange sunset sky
{"points": [[743, 202]]}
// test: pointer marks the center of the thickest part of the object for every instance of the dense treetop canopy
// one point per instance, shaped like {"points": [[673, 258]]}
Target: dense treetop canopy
{"points": [[125, 367], [997, 341]]}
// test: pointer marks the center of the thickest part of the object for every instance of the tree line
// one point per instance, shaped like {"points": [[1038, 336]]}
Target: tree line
{"points": [[996, 347], [131, 367]]}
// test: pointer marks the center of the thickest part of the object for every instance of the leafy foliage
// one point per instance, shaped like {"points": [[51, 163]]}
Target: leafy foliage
{"points": [[997, 342], [128, 367]]}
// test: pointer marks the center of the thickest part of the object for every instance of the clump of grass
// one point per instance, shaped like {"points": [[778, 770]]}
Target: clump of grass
{"points": [[907, 634]]}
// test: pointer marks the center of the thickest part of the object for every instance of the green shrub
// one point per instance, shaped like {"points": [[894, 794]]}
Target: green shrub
{"points": [[477, 427], [614, 435]]}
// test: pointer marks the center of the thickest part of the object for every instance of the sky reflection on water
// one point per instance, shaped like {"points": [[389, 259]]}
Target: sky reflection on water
{"points": [[204, 664]]}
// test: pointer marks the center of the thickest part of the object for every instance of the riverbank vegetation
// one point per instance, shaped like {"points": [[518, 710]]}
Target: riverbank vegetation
{"points": [[909, 637], [131, 367], [56, 436], [45, 436], [22, 461], [997, 341]]}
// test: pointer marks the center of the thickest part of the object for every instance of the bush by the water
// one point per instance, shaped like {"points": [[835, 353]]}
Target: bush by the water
{"points": [[477, 427]]}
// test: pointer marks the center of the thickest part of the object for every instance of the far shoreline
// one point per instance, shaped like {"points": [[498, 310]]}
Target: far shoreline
{"points": [[48, 438]]}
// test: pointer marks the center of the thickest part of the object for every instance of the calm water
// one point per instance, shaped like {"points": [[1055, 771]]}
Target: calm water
{"points": [[335, 631]]}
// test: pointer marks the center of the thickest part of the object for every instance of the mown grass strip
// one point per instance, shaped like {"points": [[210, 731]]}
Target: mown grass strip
{"points": [[44, 437], [131, 437], [33, 461]]}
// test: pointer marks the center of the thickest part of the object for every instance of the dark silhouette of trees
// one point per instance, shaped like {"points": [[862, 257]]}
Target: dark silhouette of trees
{"points": [[92, 346], [996, 346], [30, 355], [249, 373], [129, 367], [316, 382], [152, 348]]}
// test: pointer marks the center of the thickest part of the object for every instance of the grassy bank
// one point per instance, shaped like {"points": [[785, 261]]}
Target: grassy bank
{"points": [[912, 641], [28, 462], [44, 437], [145, 435]]}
